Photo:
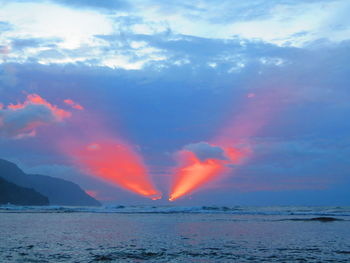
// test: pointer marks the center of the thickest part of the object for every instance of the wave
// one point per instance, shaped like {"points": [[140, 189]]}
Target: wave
{"points": [[236, 210], [324, 219]]}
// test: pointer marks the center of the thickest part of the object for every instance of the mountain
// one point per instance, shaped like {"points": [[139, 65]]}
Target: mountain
{"points": [[16, 195], [58, 191]]}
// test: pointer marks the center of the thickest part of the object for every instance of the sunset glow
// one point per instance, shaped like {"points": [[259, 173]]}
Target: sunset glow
{"points": [[115, 162], [192, 174], [132, 100]]}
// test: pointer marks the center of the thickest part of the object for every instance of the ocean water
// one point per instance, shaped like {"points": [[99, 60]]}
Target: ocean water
{"points": [[174, 234]]}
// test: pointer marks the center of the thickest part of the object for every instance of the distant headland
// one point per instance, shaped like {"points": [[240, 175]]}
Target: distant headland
{"points": [[19, 188]]}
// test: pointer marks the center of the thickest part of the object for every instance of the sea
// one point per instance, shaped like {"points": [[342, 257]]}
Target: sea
{"points": [[118, 233]]}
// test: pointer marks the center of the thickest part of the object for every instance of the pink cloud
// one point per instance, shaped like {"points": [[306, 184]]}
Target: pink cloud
{"points": [[22, 119], [73, 104]]}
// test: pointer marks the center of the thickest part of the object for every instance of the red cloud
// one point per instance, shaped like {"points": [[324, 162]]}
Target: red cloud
{"points": [[22, 119]]}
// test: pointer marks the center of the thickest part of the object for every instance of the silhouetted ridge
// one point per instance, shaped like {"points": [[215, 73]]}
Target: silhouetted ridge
{"points": [[58, 191], [16, 195]]}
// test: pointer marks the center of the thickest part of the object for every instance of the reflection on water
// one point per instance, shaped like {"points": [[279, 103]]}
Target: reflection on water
{"points": [[91, 237]]}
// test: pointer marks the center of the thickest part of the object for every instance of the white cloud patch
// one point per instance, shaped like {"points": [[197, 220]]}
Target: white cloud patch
{"points": [[278, 22], [43, 20], [138, 33]]}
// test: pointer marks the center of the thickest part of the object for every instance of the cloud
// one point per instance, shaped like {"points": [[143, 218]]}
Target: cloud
{"points": [[164, 81], [73, 104], [82, 4], [106, 5], [204, 151], [22, 119], [46, 28], [278, 163], [276, 22], [19, 44], [4, 26], [190, 101], [160, 34]]}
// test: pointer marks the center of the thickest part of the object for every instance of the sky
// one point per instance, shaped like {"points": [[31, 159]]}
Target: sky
{"points": [[199, 101]]}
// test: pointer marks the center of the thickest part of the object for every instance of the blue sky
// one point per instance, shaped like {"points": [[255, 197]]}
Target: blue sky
{"points": [[271, 75]]}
